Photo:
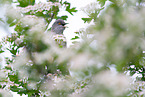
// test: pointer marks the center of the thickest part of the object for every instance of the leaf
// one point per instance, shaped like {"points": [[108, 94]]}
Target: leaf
{"points": [[8, 67], [68, 9], [9, 20], [1, 51], [66, 3], [13, 50], [87, 20], [52, 1], [12, 24], [76, 37], [71, 10], [102, 2], [39, 14], [24, 3], [76, 32], [63, 17], [14, 77]]}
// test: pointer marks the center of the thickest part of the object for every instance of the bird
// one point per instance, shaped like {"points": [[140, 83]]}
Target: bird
{"points": [[58, 26], [57, 30]]}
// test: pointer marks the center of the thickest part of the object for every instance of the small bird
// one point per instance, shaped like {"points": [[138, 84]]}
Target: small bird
{"points": [[57, 30], [58, 26]]}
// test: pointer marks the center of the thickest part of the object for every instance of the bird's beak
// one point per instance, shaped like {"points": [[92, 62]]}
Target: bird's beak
{"points": [[65, 26]]}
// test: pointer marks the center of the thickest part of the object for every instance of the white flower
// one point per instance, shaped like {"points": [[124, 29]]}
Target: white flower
{"points": [[3, 74], [80, 61], [46, 93], [38, 7], [117, 83], [30, 20], [5, 93], [12, 12], [21, 60], [64, 54], [41, 57], [37, 25], [32, 85]]}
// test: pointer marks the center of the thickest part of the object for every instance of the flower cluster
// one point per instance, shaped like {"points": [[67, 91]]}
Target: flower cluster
{"points": [[138, 88], [38, 7]]}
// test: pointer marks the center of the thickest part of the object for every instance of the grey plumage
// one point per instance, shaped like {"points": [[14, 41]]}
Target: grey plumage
{"points": [[58, 27]]}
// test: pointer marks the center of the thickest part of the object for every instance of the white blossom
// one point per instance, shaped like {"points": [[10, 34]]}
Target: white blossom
{"points": [[117, 83], [5, 93], [12, 12], [38, 7]]}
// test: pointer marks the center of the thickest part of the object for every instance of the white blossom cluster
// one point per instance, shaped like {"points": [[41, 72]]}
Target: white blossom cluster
{"points": [[42, 94], [36, 24], [104, 83], [38, 7], [12, 12], [5, 93], [117, 83], [83, 60], [91, 8], [59, 39], [4, 74], [7, 83], [31, 20], [139, 87], [53, 83]]}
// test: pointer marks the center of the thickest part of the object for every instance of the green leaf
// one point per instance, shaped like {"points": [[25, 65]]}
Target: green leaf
{"points": [[39, 14], [9, 20], [76, 37], [71, 10], [12, 24], [102, 2], [8, 67], [53, 1], [87, 20], [68, 9], [14, 77], [63, 17], [1, 51], [66, 3], [76, 32], [24, 3], [13, 50]]}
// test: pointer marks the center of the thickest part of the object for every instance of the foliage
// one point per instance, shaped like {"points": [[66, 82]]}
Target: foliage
{"points": [[40, 67]]}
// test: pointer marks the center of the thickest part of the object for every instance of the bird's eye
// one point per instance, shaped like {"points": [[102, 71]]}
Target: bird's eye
{"points": [[59, 23]]}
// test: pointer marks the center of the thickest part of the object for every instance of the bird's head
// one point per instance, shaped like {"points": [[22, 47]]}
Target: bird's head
{"points": [[58, 26]]}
